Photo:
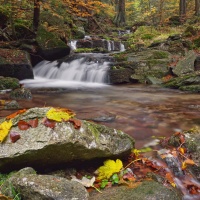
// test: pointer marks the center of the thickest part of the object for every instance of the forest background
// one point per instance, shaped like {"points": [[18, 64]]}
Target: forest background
{"points": [[104, 13]]}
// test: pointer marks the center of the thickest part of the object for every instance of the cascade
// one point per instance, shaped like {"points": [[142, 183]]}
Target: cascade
{"points": [[89, 70], [94, 42], [72, 44]]}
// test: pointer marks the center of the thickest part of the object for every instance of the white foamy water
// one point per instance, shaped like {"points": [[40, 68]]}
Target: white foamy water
{"points": [[77, 73]]}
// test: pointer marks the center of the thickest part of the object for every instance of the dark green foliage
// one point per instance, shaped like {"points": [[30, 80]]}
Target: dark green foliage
{"points": [[8, 83]]}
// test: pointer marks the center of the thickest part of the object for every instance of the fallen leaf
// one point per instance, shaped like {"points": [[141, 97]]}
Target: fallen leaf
{"points": [[170, 178], [4, 129], [22, 125], [15, 114], [186, 163], [14, 136], [49, 123], [109, 168], [33, 123], [76, 122], [85, 181]]}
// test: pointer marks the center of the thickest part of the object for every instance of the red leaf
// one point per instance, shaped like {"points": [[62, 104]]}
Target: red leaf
{"points": [[14, 136], [76, 122], [33, 123], [22, 125], [49, 123]]}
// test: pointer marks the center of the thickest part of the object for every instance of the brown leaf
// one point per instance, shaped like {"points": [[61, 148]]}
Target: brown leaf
{"points": [[49, 123], [14, 136], [76, 122], [33, 123], [22, 125]]}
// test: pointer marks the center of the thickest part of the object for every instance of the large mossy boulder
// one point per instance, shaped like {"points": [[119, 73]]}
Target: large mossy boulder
{"points": [[15, 63], [43, 147], [50, 46], [141, 65]]}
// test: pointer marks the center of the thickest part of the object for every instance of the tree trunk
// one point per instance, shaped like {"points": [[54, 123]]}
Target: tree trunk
{"points": [[120, 18], [182, 9], [197, 7], [36, 15]]}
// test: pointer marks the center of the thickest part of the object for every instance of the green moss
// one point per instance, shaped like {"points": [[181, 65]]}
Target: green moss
{"points": [[93, 128], [8, 83], [190, 31], [159, 55], [191, 146], [121, 57], [48, 39], [197, 42], [191, 88]]}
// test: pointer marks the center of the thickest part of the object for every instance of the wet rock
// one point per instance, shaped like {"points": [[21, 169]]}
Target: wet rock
{"points": [[21, 93], [97, 116], [15, 63], [53, 147], [31, 186], [148, 190], [189, 82], [192, 145], [11, 105], [8, 83]]}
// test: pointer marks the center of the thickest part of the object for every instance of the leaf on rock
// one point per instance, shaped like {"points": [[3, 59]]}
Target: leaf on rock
{"points": [[4, 129], [76, 122], [109, 168], [14, 136], [15, 114], [33, 123], [85, 181], [22, 125], [49, 123], [60, 114]]}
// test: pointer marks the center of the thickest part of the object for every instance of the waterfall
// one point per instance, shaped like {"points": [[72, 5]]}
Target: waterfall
{"points": [[72, 44], [122, 47], [77, 70]]}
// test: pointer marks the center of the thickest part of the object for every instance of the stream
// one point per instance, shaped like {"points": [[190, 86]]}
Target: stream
{"points": [[141, 111], [81, 83]]}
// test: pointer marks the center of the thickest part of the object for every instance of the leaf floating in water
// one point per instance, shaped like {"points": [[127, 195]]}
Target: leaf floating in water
{"points": [[14, 136], [4, 129], [76, 122], [22, 125], [49, 123], [60, 114], [15, 114]]}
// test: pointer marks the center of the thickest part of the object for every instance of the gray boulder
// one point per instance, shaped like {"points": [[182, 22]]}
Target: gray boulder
{"points": [[31, 186], [44, 147], [186, 65]]}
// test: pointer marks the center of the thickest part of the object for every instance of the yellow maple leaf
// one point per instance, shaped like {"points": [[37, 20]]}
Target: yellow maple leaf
{"points": [[109, 168], [59, 114], [4, 129]]}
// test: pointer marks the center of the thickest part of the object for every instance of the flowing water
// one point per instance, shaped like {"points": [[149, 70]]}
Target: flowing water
{"points": [[139, 110]]}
